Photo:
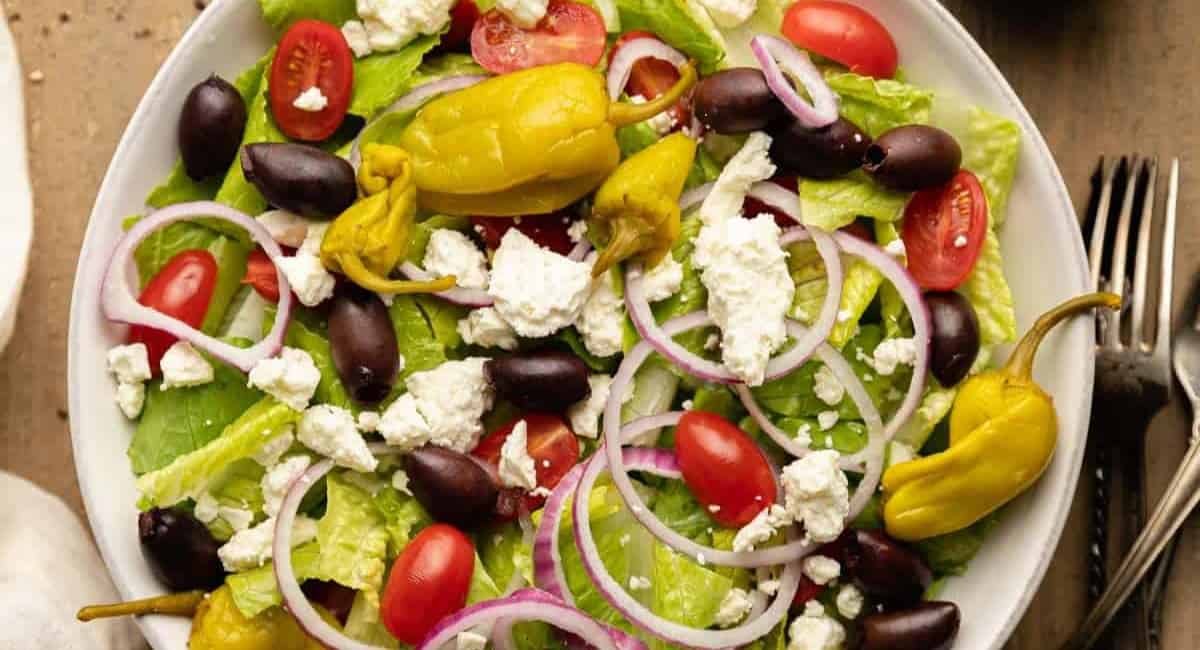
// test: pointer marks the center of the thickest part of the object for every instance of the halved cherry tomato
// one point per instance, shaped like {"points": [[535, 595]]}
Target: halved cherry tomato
{"points": [[725, 470], [943, 232], [569, 32], [653, 77], [428, 582], [462, 21], [547, 230], [260, 274], [182, 290], [845, 33], [311, 54], [550, 442]]}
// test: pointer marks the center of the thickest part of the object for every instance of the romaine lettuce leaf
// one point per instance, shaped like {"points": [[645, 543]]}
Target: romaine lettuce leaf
{"points": [[280, 14], [847, 436], [896, 321], [443, 320], [503, 553], [352, 537], [441, 66], [364, 624], [988, 291], [231, 258], [685, 592], [949, 554], [834, 203], [402, 516], [238, 486], [417, 340], [680, 23], [256, 590], [381, 79], [678, 508], [692, 294], [859, 286], [935, 406], [990, 149], [876, 105]]}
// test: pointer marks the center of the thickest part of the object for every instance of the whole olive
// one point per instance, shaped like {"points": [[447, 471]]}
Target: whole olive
{"points": [[540, 381], [928, 626], [828, 152], [452, 487], [181, 551], [363, 343], [301, 179], [890, 572], [736, 100], [211, 127], [913, 158], [955, 336]]}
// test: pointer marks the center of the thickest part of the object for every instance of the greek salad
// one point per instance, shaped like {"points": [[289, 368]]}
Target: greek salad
{"points": [[555, 323]]}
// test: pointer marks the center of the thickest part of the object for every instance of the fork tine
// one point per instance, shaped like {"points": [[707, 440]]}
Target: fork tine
{"points": [[1108, 172], [1120, 251], [1162, 341], [1141, 258]]}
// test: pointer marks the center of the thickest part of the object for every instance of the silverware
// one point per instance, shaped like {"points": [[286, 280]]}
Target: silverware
{"points": [[1139, 375]]}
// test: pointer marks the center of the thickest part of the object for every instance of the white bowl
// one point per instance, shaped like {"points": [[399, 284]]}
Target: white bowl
{"points": [[1043, 254], [15, 193]]}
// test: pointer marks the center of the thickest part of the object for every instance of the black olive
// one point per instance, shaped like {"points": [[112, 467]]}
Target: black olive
{"points": [[452, 487], [301, 179], [540, 381], [211, 127], [913, 158], [180, 550], [928, 626], [955, 336], [887, 570], [363, 342], [736, 100], [828, 152]]}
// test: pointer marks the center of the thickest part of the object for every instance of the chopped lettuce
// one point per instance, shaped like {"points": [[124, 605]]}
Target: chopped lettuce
{"points": [[896, 322], [231, 256], [949, 554], [482, 586], [364, 623], [988, 291], [678, 508], [280, 14], [402, 516], [189, 474], [685, 592], [934, 407], [307, 331], [418, 342], [504, 553], [837, 202], [238, 486], [452, 64], [876, 105], [256, 590], [990, 144], [692, 295], [682, 24], [715, 398], [352, 537], [847, 436], [381, 79], [443, 320], [236, 191], [859, 286]]}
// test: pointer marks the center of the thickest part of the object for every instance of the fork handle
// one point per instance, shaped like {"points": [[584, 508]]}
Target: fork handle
{"points": [[1180, 499]]}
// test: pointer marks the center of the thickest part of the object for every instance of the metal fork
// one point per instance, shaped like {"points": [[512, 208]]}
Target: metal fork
{"points": [[1133, 379]]}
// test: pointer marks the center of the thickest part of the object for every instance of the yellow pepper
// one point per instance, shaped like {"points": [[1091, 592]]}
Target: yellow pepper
{"points": [[1003, 431], [368, 240], [637, 209], [528, 142]]}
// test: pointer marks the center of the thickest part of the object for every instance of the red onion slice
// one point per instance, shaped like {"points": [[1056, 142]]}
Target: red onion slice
{"points": [[413, 99], [458, 295], [580, 252], [525, 605], [547, 559], [633, 51], [779, 60], [119, 304]]}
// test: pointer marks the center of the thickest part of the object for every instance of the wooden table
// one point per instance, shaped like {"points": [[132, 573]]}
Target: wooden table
{"points": [[1097, 75]]}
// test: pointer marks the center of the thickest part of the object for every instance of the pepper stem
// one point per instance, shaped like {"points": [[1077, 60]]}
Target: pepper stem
{"points": [[354, 268], [621, 114], [622, 245], [1020, 364], [181, 604]]}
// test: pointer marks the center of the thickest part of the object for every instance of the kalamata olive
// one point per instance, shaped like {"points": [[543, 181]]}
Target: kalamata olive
{"points": [[890, 572], [181, 551], [955, 336], [211, 128], [736, 100], [913, 158], [301, 179], [541, 381], [928, 626], [363, 343], [452, 487], [818, 153]]}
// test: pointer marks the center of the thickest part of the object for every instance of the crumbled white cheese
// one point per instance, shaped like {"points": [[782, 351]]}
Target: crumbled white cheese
{"points": [[392, 24], [826, 420], [182, 366], [356, 37], [817, 494], [286, 228], [239, 519], [844, 315], [291, 377], [368, 421], [712, 342], [827, 387], [893, 352], [849, 602], [714, 508], [750, 165], [960, 241], [274, 449], [813, 630], [663, 281], [400, 482], [131, 399], [277, 480], [768, 587], [733, 608], [251, 548], [804, 434], [470, 641], [624, 540], [332, 432], [309, 279], [537, 291], [540, 492], [207, 508], [525, 14], [761, 528], [130, 364], [402, 424], [639, 583], [311, 100], [895, 248], [730, 13], [517, 469], [443, 406], [485, 328], [585, 415], [577, 231], [822, 570], [601, 323], [452, 253]]}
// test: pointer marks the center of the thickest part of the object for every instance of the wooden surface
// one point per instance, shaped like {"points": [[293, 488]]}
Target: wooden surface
{"points": [[1099, 76]]}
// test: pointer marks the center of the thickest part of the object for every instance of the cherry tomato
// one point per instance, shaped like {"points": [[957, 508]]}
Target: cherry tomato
{"points": [[725, 470], [311, 54], [653, 77], [943, 232], [551, 443], [462, 21], [428, 582], [260, 274], [547, 230], [569, 32], [182, 290], [845, 33]]}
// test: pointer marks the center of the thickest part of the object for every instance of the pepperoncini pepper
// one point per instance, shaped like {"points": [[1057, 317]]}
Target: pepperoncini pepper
{"points": [[1003, 431], [528, 142], [637, 208], [368, 240]]}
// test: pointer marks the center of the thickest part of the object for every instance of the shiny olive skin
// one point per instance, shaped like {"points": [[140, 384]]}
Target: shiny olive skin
{"points": [[301, 179], [955, 336], [180, 550], [913, 158], [454, 488], [888, 571], [930, 625], [828, 152], [211, 127], [540, 381], [736, 100], [363, 342]]}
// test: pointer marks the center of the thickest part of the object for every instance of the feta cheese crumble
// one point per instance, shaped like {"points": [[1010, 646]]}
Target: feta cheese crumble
{"points": [[251, 548], [827, 419], [400, 482], [392, 24], [577, 231], [827, 387], [602, 321], [276, 447], [452, 253], [960, 241], [662, 123], [485, 328], [817, 495], [182, 367], [291, 377], [730, 13], [585, 415], [822, 570], [733, 608], [443, 406], [368, 421], [332, 432], [309, 279], [311, 100], [813, 630], [896, 248], [663, 281], [517, 469], [761, 528], [356, 37], [639, 583], [525, 14], [276, 481], [751, 164], [470, 641], [131, 399], [130, 365], [849, 602], [892, 353], [537, 291]]}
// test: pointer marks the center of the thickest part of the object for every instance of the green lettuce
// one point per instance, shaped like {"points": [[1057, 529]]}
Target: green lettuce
{"points": [[381, 79], [189, 474], [847, 436], [307, 331], [256, 590], [418, 341], [988, 291], [237, 486], [280, 14], [935, 406], [364, 623], [504, 553], [877, 105], [685, 592], [452, 64], [990, 145], [949, 554], [352, 537], [402, 516], [860, 284], [682, 24], [443, 320], [236, 191], [896, 322], [678, 508], [837, 202]]}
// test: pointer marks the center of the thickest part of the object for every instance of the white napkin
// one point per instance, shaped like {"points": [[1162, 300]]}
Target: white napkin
{"points": [[16, 197]]}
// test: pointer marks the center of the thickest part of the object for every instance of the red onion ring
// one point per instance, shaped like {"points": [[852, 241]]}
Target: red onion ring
{"points": [[457, 295], [632, 51], [779, 59], [525, 605], [580, 252], [413, 99], [120, 305]]}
